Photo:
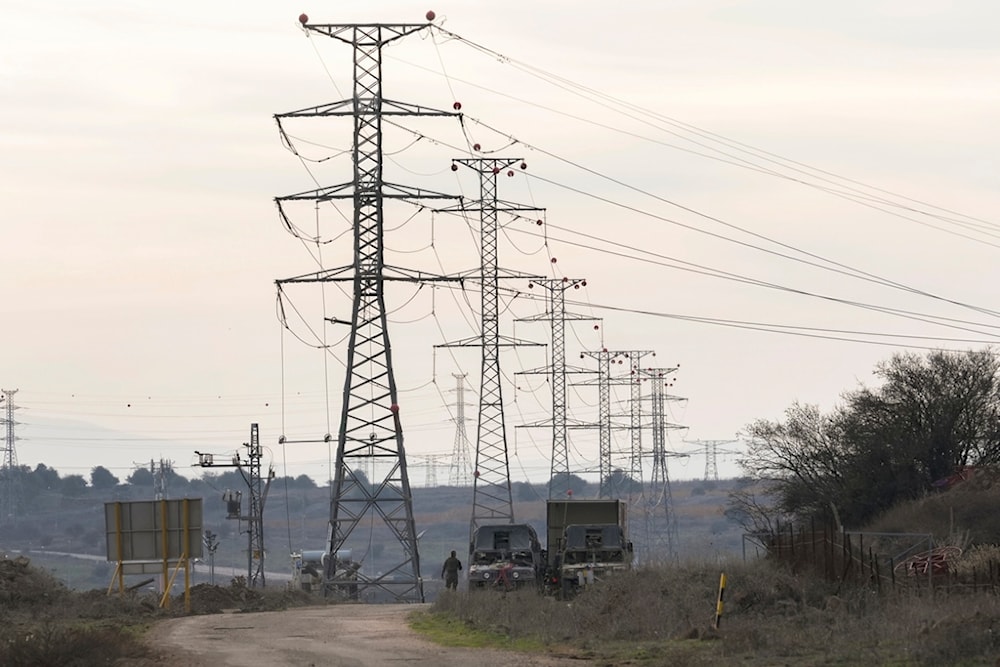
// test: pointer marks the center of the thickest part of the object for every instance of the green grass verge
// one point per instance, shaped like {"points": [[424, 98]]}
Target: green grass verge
{"points": [[447, 630]]}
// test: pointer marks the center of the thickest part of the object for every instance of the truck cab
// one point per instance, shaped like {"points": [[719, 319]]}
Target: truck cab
{"points": [[507, 556]]}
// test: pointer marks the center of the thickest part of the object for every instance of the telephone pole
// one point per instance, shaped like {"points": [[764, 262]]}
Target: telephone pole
{"points": [[370, 436]]}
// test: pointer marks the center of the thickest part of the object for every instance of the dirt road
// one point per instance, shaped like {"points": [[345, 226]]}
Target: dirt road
{"points": [[336, 636]]}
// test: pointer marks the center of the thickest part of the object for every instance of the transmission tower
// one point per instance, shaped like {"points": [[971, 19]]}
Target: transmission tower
{"points": [[458, 471], [662, 538], [491, 494], [431, 461], [250, 469], [712, 451], [10, 473], [557, 370], [370, 428], [618, 482]]}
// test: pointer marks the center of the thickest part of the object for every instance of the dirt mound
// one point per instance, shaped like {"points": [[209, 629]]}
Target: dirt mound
{"points": [[23, 585]]}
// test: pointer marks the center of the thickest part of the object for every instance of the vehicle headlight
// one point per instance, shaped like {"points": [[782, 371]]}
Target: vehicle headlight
{"points": [[486, 575], [516, 575]]}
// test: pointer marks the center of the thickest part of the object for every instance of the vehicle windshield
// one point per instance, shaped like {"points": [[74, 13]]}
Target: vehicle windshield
{"points": [[516, 543]]}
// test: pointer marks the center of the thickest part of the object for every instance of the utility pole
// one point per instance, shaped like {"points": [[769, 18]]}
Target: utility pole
{"points": [[371, 433], [557, 370], [250, 469], [10, 472], [491, 494], [458, 471], [662, 537]]}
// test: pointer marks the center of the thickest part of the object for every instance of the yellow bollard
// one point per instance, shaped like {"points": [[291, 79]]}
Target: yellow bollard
{"points": [[718, 605]]}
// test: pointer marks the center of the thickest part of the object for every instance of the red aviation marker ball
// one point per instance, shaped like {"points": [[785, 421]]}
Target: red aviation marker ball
{"points": [[430, 16], [457, 106], [394, 408], [303, 19]]}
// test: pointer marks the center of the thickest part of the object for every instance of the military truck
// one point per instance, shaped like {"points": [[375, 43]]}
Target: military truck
{"points": [[587, 541], [505, 556]]}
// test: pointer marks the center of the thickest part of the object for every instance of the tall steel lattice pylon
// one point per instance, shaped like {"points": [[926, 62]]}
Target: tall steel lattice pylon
{"points": [[616, 482], [459, 473], [10, 473], [370, 438], [557, 370], [491, 493], [661, 534]]}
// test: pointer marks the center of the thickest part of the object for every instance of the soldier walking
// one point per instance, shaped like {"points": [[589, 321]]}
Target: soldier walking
{"points": [[450, 570]]}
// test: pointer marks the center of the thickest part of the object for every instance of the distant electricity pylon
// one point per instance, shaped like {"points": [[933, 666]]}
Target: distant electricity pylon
{"points": [[459, 473], [712, 452], [662, 539], [371, 432], [10, 473], [557, 370], [631, 473], [431, 461], [491, 494]]}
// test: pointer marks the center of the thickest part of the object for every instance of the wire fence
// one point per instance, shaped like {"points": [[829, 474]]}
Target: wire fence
{"points": [[884, 562]]}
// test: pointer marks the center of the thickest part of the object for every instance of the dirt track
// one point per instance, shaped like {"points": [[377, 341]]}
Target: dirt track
{"points": [[337, 636]]}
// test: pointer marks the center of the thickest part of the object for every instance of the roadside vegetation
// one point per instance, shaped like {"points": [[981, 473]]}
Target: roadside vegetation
{"points": [[42, 622], [665, 616]]}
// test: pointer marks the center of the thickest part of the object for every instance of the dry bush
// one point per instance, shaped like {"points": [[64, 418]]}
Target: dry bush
{"points": [[771, 616], [77, 646]]}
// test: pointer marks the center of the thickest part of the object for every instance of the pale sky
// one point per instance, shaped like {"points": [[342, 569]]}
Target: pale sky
{"points": [[140, 246]]}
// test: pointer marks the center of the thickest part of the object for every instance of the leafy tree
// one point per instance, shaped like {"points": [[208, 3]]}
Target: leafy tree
{"points": [[102, 478], [564, 484], [304, 482], [74, 486], [929, 417], [620, 484], [140, 477]]}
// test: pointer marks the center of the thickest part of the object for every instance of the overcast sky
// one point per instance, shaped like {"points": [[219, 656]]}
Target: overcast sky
{"points": [[141, 242]]}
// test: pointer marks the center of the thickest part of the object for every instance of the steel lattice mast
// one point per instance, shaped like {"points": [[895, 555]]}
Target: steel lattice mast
{"points": [[712, 455], [634, 380], [491, 493], [370, 430], [557, 370], [458, 470], [10, 494], [610, 485], [662, 538]]}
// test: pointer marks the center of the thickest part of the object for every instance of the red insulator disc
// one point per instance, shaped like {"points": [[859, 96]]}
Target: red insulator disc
{"points": [[476, 147], [524, 165], [430, 16], [303, 19], [496, 170], [454, 167], [553, 260], [510, 172]]}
